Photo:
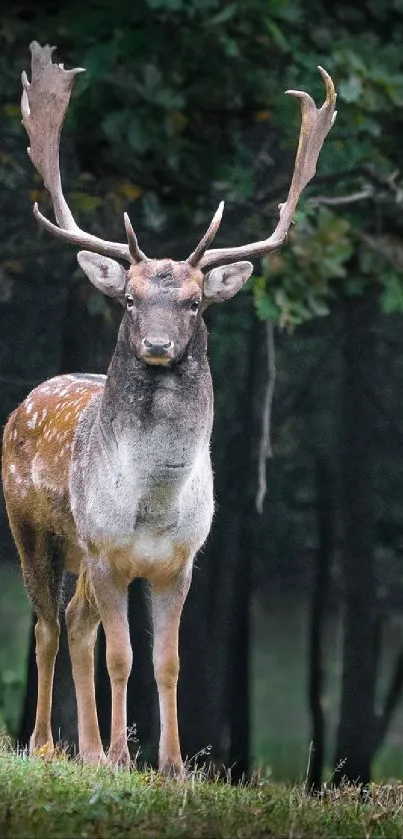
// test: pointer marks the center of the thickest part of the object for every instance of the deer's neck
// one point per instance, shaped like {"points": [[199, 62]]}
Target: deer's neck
{"points": [[165, 410], [142, 460]]}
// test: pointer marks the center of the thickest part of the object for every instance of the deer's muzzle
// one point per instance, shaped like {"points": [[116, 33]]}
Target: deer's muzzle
{"points": [[157, 349]]}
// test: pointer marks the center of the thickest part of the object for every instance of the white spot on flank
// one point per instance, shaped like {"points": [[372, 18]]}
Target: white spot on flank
{"points": [[32, 422], [12, 468]]}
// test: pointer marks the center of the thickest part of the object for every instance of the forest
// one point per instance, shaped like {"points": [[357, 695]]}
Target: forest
{"points": [[291, 641]]}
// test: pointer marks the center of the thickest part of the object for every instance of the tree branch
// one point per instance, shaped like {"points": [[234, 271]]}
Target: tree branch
{"points": [[362, 195], [265, 449]]}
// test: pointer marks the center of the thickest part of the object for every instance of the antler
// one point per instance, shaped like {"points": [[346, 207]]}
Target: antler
{"points": [[208, 237], [315, 125], [44, 104]]}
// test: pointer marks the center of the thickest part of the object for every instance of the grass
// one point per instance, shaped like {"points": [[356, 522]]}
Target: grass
{"points": [[56, 797]]}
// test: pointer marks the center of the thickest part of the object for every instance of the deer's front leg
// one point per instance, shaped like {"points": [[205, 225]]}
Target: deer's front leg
{"points": [[167, 605], [111, 597]]}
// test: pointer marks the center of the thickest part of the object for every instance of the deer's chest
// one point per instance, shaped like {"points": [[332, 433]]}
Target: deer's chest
{"points": [[149, 497]]}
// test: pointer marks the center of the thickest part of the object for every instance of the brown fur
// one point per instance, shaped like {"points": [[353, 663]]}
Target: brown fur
{"points": [[47, 444]]}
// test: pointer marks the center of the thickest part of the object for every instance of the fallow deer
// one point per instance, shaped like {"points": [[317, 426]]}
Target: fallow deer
{"points": [[109, 476]]}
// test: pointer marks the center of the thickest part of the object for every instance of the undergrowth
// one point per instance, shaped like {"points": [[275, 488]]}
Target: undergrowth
{"points": [[52, 796]]}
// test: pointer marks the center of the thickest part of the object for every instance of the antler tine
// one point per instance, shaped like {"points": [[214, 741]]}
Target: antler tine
{"points": [[44, 104], [315, 125], [208, 237], [136, 254], [83, 240]]}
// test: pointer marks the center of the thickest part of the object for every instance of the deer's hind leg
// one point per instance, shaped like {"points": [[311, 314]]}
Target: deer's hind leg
{"points": [[82, 618], [41, 554]]}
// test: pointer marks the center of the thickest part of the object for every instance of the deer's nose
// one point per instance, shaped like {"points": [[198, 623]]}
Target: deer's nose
{"points": [[157, 345]]}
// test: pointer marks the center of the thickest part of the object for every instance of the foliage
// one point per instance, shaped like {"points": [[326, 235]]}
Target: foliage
{"points": [[294, 286], [180, 102], [362, 155]]}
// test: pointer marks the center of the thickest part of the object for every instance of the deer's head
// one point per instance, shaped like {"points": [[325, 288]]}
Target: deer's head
{"points": [[164, 299]]}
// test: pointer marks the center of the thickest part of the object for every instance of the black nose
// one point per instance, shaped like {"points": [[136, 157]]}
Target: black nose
{"points": [[157, 345]]}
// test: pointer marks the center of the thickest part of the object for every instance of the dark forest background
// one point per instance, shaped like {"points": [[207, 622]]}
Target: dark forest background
{"points": [[292, 636]]}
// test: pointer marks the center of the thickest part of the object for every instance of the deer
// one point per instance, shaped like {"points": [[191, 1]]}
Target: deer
{"points": [[109, 476]]}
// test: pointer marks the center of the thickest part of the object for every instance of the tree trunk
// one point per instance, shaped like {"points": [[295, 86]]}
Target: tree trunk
{"points": [[317, 619], [239, 669], [248, 521], [64, 705], [355, 738], [27, 720]]}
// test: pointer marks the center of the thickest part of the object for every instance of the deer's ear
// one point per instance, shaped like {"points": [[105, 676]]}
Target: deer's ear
{"points": [[105, 274], [223, 282]]}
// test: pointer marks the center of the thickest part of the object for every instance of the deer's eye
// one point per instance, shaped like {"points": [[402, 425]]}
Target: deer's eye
{"points": [[194, 306], [129, 301]]}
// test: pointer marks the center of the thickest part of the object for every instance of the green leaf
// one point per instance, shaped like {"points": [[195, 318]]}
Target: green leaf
{"points": [[152, 77], [392, 296], [154, 214], [277, 35], [266, 308], [350, 89], [170, 5], [230, 46], [318, 307], [138, 136], [227, 13]]}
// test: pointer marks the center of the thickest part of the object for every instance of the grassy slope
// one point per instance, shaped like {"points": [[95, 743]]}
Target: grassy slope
{"points": [[59, 798]]}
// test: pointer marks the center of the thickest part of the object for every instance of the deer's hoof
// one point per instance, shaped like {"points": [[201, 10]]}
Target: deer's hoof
{"points": [[172, 769], [93, 757], [41, 746], [119, 757]]}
